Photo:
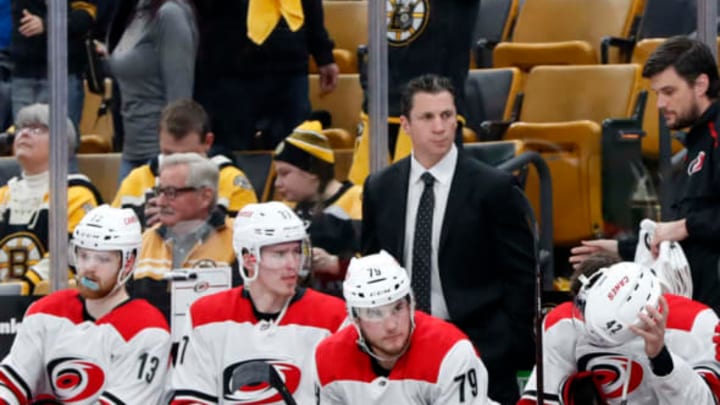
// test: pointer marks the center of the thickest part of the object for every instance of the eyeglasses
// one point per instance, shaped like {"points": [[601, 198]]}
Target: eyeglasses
{"points": [[35, 129], [171, 192]]}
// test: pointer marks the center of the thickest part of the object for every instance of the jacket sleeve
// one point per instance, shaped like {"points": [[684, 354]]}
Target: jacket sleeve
{"points": [[369, 242], [320, 45], [463, 378], [514, 253], [177, 42], [704, 224], [194, 378], [138, 372]]}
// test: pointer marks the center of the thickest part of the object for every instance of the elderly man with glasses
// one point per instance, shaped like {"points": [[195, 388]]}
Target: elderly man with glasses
{"points": [[193, 231]]}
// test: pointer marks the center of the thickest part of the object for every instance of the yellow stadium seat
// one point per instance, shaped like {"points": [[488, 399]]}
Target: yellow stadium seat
{"points": [[565, 32], [42, 288], [569, 115], [102, 169], [344, 103], [346, 22], [572, 151], [100, 128]]}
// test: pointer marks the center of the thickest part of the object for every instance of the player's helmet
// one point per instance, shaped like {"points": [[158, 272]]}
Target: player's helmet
{"points": [[375, 280], [611, 299], [259, 225], [111, 229]]}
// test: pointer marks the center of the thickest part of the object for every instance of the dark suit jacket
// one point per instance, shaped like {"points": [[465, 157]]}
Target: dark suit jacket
{"points": [[486, 253]]}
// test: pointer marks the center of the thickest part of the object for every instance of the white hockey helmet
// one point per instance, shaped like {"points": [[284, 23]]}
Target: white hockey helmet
{"points": [[611, 299], [111, 229], [671, 265], [265, 224], [375, 280]]}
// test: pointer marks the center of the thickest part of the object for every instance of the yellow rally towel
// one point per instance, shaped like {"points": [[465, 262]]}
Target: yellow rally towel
{"points": [[263, 16]]}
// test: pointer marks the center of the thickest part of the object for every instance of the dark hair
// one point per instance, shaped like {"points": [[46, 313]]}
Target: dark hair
{"points": [[429, 83], [590, 266], [184, 116], [689, 57]]}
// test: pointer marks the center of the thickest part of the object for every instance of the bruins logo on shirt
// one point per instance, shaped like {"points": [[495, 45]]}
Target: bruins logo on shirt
{"points": [[406, 20], [18, 252]]}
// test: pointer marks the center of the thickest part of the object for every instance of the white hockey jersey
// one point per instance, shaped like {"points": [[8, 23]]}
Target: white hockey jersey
{"points": [[440, 367], [61, 354], [225, 345], [688, 337]]}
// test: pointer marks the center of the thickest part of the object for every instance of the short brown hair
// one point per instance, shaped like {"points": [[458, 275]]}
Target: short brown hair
{"points": [[428, 83], [183, 117], [590, 266]]}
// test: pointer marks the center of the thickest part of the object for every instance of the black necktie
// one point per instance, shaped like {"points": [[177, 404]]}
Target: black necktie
{"points": [[422, 245]]}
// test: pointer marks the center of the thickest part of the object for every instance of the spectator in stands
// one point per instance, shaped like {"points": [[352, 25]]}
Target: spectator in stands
{"points": [[192, 231], [28, 51], [461, 229], [24, 216], [626, 339], [684, 74], [255, 343], [152, 46], [184, 127], [305, 167], [253, 66], [88, 345], [432, 36], [389, 337]]}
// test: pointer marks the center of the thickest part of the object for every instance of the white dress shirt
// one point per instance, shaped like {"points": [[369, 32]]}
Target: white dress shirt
{"points": [[443, 172]]}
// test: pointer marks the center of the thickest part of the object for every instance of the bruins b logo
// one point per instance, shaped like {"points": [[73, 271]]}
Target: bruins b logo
{"points": [[406, 19], [18, 252]]}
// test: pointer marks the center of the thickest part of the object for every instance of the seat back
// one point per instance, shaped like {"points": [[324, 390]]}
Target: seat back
{"points": [[568, 20], [344, 103], [13, 288], [651, 123], [666, 18], [493, 25], [495, 153], [102, 169], [91, 124], [347, 24], [572, 151], [259, 169], [490, 95], [9, 168], [569, 93]]}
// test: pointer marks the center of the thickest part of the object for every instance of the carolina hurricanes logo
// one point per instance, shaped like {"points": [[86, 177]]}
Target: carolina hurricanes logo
{"points": [[612, 371], [697, 164], [254, 381], [74, 379]]}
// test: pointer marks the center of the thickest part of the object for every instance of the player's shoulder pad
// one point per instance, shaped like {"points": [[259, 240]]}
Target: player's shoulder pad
{"points": [[313, 308], [64, 304], [559, 313], [126, 321], [683, 312]]}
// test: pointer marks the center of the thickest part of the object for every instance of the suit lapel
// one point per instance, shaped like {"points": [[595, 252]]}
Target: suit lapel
{"points": [[456, 200]]}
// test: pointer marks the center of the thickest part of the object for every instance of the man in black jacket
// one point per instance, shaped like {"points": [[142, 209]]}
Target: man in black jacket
{"points": [[473, 263], [257, 82], [684, 75]]}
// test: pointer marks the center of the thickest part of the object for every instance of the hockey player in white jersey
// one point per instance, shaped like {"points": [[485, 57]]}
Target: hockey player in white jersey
{"points": [[254, 344], [394, 354], [94, 344], [624, 341]]}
